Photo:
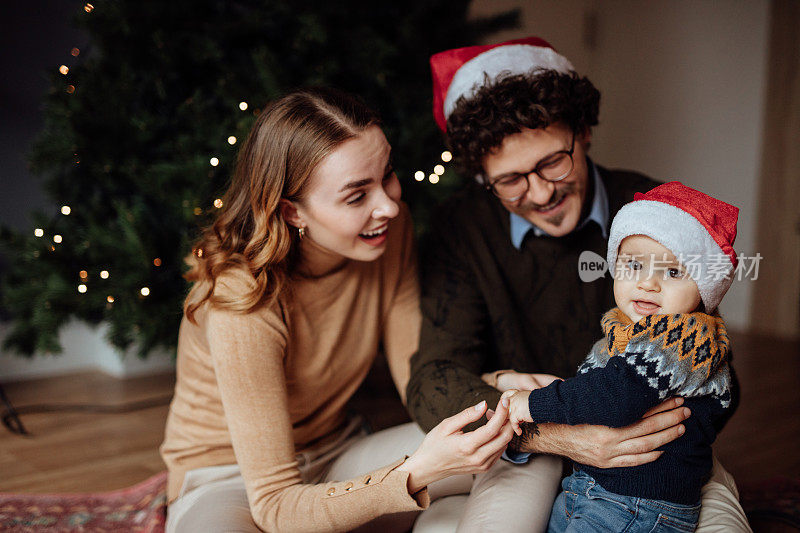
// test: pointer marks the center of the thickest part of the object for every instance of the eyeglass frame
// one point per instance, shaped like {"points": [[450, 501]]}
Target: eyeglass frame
{"points": [[535, 170]]}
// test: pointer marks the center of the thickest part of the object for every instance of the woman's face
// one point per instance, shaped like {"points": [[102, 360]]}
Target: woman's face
{"points": [[351, 197]]}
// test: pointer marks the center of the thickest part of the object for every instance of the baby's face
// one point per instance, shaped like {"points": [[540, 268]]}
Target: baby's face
{"points": [[649, 280]]}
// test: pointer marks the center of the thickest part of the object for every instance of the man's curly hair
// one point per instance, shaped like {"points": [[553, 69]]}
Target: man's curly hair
{"points": [[508, 104]]}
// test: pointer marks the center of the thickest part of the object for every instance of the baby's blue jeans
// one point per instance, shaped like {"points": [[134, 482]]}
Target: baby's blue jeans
{"points": [[583, 505]]}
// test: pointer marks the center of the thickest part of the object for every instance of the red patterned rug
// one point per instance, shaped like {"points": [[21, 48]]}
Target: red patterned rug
{"points": [[141, 508]]}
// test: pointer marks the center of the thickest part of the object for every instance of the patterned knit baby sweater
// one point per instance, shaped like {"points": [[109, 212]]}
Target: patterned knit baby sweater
{"points": [[633, 368]]}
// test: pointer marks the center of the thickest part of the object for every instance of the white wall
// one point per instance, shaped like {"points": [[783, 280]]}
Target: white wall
{"points": [[85, 348], [683, 90]]}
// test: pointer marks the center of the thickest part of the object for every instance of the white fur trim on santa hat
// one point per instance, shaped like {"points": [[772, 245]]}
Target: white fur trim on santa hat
{"points": [[684, 236], [511, 58]]}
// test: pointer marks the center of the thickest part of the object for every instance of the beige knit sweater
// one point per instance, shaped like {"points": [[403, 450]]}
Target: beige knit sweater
{"points": [[257, 388]]}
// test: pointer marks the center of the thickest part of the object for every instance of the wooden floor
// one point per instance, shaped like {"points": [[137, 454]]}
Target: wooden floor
{"points": [[93, 452]]}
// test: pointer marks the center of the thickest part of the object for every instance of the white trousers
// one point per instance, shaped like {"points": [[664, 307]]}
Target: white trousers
{"points": [[506, 498]]}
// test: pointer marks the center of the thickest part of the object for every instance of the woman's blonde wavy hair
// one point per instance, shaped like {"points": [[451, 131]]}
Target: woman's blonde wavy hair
{"points": [[289, 139]]}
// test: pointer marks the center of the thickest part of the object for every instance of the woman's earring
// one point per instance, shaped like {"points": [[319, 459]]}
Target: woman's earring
{"points": [[301, 232]]}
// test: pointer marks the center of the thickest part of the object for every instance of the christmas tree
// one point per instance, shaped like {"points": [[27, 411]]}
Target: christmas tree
{"points": [[141, 132]]}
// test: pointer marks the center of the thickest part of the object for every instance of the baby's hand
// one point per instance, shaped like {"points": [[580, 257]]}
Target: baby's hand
{"points": [[518, 410], [519, 381]]}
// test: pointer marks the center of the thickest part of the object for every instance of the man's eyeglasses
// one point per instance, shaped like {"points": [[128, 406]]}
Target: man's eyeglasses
{"points": [[554, 167]]}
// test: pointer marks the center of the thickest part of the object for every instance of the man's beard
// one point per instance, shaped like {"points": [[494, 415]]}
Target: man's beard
{"points": [[558, 195]]}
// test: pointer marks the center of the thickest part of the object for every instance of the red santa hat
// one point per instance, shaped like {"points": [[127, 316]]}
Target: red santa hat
{"points": [[462, 71], [698, 229]]}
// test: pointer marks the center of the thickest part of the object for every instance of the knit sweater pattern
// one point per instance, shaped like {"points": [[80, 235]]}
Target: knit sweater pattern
{"points": [[633, 368]]}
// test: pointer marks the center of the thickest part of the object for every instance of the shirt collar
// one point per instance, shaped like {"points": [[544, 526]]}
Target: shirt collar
{"points": [[598, 213]]}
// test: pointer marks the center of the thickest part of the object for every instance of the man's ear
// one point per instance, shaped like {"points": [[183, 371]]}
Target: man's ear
{"points": [[585, 138], [290, 214]]}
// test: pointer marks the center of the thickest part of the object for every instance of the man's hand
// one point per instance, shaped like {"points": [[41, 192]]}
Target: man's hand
{"points": [[605, 447], [519, 381]]}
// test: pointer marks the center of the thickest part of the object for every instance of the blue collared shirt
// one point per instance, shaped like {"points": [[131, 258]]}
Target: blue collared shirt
{"points": [[599, 213]]}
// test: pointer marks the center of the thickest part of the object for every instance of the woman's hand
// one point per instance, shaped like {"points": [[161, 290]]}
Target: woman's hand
{"points": [[605, 447], [447, 450], [519, 381]]}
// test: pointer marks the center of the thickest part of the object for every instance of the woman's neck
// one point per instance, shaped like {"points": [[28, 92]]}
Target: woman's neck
{"points": [[316, 262]]}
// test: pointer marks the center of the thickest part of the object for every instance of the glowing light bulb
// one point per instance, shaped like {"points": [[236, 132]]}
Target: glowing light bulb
{"points": [[218, 203], [70, 89], [57, 239], [231, 140], [157, 261], [63, 69], [198, 211], [438, 170], [83, 274], [39, 232], [419, 175], [199, 252], [110, 299], [145, 291], [243, 106], [81, 288], [75, 52], [65, 210], [433, 178], [447, 156], [104, 274], [214, 161], [88, 8]]}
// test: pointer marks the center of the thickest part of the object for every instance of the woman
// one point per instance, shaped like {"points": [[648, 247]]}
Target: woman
{"points": [[308, 269]]}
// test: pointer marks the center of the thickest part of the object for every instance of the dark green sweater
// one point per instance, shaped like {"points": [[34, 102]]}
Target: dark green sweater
{"points": [[488, 306]]}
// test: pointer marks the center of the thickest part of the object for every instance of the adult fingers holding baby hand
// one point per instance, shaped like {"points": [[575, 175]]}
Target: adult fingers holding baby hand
{"points": [[447, 450]]}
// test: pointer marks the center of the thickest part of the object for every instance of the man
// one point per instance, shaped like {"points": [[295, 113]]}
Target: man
{"points": [[503, 303]]}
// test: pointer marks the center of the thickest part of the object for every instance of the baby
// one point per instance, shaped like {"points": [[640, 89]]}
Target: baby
{"points": [[672, 257]]}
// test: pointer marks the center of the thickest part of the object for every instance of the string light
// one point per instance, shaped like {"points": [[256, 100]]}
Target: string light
{"points": [[88, 8], [145, 291], [199, 252], [63, 69], [218, 203], [447, 156], [57, 239], [419, 175], [110, 299], [39, 232], [243, 106], [65, 210], [231, 140], [70, 89], [81, 288], [433, 178], [75, 52], [198, 211], [83, 274], [157, 261], [438, 170], [104, 274], [214, 161]]}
